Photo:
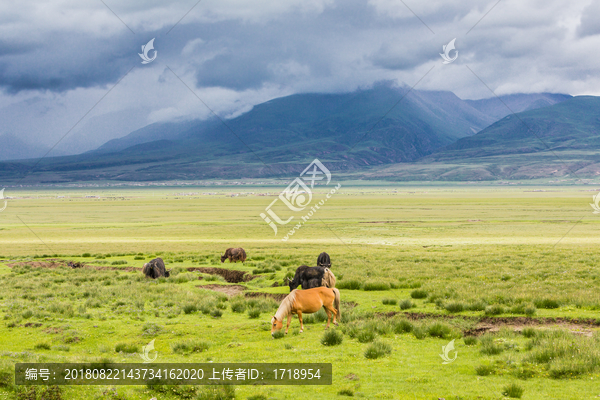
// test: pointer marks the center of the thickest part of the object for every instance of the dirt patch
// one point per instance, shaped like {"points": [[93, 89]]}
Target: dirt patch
{"points": [[494, 324], [62, 263], [276, 296], [230, 275], [229, 290], [32, 325], [349, 304]]}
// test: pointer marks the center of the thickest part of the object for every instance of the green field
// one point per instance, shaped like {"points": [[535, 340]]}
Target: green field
{"points": [[510, 273]]}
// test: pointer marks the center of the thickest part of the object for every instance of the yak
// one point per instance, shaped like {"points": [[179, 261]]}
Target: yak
{"points": [[155, 269], [323, 260], [234, 255], [311, 277]]}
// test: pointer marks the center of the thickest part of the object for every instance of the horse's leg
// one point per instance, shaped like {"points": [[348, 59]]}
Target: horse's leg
{"points": [[301, 323], [288, 323], [332, 310], [328, 317]]}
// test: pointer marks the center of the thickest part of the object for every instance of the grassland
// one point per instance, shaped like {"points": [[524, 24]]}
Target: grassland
{"points": [[509, 273]]}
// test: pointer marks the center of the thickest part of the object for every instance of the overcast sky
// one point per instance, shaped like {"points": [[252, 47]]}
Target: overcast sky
{"points": [[59, 58]]}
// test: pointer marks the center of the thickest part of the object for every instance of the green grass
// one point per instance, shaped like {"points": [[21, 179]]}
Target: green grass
{"points": [[447, 249]]}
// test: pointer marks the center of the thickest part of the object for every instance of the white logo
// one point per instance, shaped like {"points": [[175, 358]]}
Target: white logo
{"points": [[147, 349], [447, 349], [446, 54], [594, 205], [5, 202], [145, 49], [298, 195]]}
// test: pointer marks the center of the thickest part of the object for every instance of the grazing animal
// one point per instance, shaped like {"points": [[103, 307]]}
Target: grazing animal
{"points": [[308, 302], [234, 255], [75, 264], [307, 277], [155, 269], [323, 260], [328, 279]]}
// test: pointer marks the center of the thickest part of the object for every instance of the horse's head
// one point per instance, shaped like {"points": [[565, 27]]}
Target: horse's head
{"points": [[276, 325], [291, 284]]}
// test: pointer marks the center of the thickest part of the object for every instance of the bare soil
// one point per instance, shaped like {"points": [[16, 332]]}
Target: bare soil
{"points": [[229, 290], [230, 275]]}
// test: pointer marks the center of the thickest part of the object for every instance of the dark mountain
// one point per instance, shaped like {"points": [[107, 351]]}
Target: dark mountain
{"points": [[498, 108], [556, 141], [381, 125], [13, 148]]}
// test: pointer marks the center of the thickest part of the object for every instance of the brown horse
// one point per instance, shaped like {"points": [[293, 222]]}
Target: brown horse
{"points": [[307, 301]]}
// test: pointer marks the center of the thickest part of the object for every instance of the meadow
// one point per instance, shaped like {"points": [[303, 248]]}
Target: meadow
{"points": [[507, 272]]}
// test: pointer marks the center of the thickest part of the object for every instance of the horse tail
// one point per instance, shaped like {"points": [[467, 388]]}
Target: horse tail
{"points": [[336, 303]]}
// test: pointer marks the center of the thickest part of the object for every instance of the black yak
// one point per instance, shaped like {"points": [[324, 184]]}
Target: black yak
{"points": [[311, 277], [155, 269], [323, 260], [234, 255]]}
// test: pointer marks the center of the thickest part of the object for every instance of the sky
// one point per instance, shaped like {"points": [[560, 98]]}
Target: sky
{"points": [[71, 68]]}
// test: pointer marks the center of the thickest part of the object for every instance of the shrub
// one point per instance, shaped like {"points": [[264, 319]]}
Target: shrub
{"points": [[470, 340], [484, 370], [27, 314], [190, 308], [126, 348], [139, 258], [441, 330], [377, 349], [253, 313], [489, 347], [86, 255], [530, 311], [513, 390], [118, 262], [238, 306], [406, 304], [332, 338], [189, 346], [365, 336], [350, 284], [346, 392], [376, 285], [402, 326], [278, 334], [224, 392], [455, 307], [495, 309], [419, 332], [528, 332], [392, 302], [42, 346], [477, 306], [418, 294], [547, 303], [216, 313]]}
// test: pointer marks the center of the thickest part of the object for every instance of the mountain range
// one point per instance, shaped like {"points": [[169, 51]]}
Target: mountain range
{"points": [[385, 132]]}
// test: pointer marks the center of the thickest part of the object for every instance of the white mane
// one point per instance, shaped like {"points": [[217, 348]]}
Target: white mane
{"points": [[286, 305]]}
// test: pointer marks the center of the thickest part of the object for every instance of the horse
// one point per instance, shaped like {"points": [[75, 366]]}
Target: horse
{"points": [[156, 269], [328, 279], [307, 301], [323, 260], [308, 277], [234, 255]]}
